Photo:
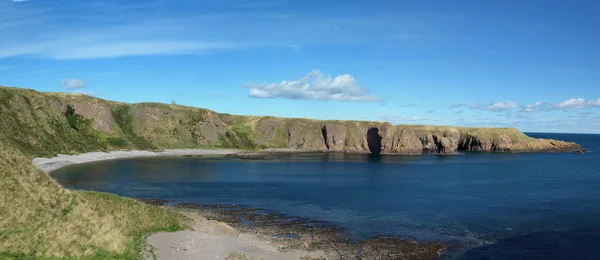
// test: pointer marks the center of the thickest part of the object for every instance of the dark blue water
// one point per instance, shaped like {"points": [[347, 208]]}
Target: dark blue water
{"points": [[489, 206]]}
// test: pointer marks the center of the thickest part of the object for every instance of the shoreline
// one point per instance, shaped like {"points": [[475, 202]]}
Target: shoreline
{"points": [[265, 234], [211, 239], [49, 165]]}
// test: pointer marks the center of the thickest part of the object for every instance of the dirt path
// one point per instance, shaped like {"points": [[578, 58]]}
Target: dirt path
{"points": [[216, 240]]}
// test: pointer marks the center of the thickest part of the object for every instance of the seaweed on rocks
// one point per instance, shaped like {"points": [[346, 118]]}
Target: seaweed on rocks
{"points": [[293, 232]]}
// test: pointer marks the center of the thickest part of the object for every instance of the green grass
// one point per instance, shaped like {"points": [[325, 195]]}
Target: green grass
{"points": [[39, 219], [29, 125], [239, 136], [124, 120]]}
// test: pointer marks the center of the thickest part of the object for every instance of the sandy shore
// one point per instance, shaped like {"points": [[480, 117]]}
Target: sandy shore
{"points": [[216, 240], [50, 164]]}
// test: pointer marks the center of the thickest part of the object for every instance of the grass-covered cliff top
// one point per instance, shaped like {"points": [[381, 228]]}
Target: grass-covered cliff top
{"points": [[35, 123]]}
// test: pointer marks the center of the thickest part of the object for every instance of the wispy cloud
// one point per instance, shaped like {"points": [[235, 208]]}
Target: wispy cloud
{"points": [[90, 30], [126, 49], [401, 118], [314, 86], [587, 113], [458, 105], [430, 111], [575, 103], [73, 83], [407, 105], [502, 106], [570, 104], [537, 106]]}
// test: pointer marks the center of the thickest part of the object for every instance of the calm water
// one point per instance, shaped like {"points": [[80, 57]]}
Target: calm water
{"points": [[489, 206]]}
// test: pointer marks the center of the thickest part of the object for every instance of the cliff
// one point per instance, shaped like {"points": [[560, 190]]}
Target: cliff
{"points": [[39, 124]]}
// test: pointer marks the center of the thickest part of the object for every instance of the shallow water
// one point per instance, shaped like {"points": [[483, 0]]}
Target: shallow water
{"points": [[488, 206]]}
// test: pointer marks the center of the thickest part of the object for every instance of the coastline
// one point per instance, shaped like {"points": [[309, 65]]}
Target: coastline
{"points": [[208, 238], [49, 165], [211, 239], [261, 234], [217, 234]]}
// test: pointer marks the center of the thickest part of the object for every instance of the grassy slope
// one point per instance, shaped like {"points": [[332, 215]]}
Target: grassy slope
{"points": [[39, 218]]}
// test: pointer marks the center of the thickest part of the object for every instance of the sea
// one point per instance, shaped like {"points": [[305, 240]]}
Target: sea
{"points": [[484, 205]]}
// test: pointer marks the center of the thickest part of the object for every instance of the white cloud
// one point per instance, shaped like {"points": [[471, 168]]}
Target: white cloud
{"points": [[458, 105], [534, 107], [502, 106], [19, 1], [400, 118], [73, 83], [594, 103], [573, 103], [314, 86], [576, 103], [430, 111]]}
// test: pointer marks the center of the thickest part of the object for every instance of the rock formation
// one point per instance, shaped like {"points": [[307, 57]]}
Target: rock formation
{"points": [[34, 120]]}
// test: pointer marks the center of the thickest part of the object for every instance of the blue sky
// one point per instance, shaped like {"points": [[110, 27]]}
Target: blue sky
{"points": [[534, 65]]}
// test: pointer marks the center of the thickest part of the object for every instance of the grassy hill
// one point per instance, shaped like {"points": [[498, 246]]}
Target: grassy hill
{"points": [[40, 219]]}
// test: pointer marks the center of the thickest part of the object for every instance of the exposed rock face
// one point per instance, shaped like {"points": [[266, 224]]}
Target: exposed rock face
{"points": [[403, 142], [303, 135], [150, 126], [547, 145], [271, 132], [473, 143], [335, 136]]}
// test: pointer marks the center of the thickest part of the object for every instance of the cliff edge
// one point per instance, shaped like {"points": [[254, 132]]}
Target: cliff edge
{"points": [[51, 123]]}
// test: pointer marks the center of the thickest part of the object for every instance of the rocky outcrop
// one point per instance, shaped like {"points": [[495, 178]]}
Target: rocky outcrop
{"points": [[303, 135], [334, 135], [404, 142], [547, 145], [32, 120]]}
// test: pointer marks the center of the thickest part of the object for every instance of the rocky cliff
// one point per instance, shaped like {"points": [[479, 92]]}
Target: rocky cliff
{"points": [[40, 124]]}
